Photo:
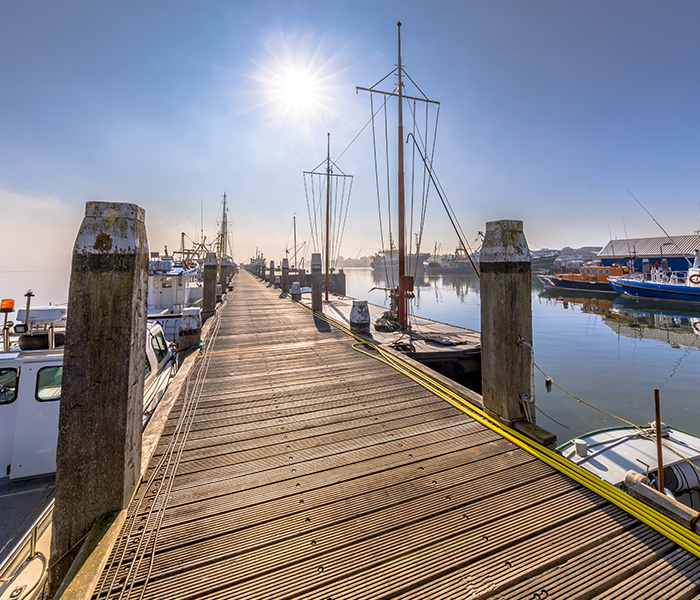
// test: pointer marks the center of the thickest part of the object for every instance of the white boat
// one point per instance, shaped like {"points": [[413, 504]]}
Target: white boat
{"points": [[175, 292], [623, 455], [31, 367]]}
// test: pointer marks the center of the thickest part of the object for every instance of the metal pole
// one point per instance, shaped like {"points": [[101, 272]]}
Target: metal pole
{"points": [[328, 209], [659, 447], [403, 299], [296, 265]]}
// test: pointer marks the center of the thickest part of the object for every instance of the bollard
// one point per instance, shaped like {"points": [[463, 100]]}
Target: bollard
{"points": [[210, 288], [359, 317], [98, 455], [285, 275], [271, 278], [296, 291], [506, 322], [316, 284]]}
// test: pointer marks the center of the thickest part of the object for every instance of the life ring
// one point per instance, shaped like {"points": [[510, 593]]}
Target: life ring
{"points": [[694, 278], [696, 326]]}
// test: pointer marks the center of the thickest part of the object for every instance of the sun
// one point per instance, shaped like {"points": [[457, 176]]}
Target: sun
{"points": [[296, 86]]}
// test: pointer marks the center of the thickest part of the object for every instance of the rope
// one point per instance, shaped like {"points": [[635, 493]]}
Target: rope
{"points": [[685, 538]]}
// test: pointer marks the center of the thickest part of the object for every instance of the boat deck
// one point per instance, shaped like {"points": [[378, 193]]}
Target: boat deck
{"points": [[293, 466]]}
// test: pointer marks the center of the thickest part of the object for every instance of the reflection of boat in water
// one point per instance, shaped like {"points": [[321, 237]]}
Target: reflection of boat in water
{"points": [[660, 284], [543, 260], [626, 456], [31, 369], [590, 278]]}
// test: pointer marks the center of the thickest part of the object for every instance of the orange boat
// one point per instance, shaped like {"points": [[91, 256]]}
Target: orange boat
{"points": [[590, 278]]}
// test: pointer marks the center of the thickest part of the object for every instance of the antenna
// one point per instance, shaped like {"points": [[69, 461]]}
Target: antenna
{"points": [[662, 229]]}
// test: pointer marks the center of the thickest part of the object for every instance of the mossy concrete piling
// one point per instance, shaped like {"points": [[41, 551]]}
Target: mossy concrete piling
{"points": [[98, 456], [209, 293], [316, 283], [506, 322]]}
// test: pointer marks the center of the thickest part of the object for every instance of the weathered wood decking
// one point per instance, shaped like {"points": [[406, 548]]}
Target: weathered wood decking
{"points": [[296, 467]]}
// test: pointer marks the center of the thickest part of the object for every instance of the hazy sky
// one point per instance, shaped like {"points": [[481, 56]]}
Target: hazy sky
{"points": [[550, 112]]}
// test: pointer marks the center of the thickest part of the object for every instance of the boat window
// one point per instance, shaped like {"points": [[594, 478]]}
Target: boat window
{"points": [[159, 346], [8, 385], [168, 282], [148, 368], [179, 282], [607, 271], [48, 384]]}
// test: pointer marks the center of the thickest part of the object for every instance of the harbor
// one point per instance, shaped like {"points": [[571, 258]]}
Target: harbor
{"points": [[405, 390]]}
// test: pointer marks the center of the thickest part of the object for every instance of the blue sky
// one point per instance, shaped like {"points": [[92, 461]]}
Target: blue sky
{"points": [[550, 112]]}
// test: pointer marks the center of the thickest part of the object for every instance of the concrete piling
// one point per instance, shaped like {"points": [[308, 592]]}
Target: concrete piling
{"points": [[98, 456], [316, 283], [209, 294], [506, 322], [285, 275], [359, 317], [271, 279]]}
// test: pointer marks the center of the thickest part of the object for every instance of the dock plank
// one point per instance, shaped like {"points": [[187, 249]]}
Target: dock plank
{"points": [[299, 468]]}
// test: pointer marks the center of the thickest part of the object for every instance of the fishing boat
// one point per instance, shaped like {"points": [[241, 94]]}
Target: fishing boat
{"points": [[627, 456], [389, 259], [543, 260], [590, 278], [31, 368], [659, 283], [459, 263]]}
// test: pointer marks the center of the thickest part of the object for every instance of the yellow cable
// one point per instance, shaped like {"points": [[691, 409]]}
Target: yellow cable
{"points": [[669, 528]]}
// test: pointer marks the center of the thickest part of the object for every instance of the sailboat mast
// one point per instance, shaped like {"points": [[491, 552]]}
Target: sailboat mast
{"points": [[328, 211], [296, 265], [224, 230], [402, 291]]}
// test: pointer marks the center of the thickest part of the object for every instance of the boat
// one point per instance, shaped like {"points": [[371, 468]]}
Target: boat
{"points": [[458, 263], [389, 259], [31, 368], [590, 278], [658, 283], [175, 293], [542, 260], [627, 456]]}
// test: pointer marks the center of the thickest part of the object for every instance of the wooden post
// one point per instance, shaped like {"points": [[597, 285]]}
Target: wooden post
{"points": [[209, 294], [262, 271], [285, 275], [659, 443], [316, 284], [98, 456], [506, 322], [272, 273]]}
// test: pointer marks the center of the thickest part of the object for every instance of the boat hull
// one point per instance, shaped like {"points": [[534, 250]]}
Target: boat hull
{"points": [[656, 290], [551, 282]]}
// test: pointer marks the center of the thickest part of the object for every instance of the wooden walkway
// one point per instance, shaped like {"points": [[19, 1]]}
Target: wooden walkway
{"points": [[296, 467]]}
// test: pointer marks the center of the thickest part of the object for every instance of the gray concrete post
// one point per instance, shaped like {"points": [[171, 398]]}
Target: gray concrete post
{"points": [[271, 279], [209, 295], [285, 275], [359, 317], [506, 321], [316, 284], [262, 271], [98, 456]]}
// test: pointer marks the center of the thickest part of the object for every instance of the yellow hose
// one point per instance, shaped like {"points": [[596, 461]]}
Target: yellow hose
{"points": [[675, 532]]}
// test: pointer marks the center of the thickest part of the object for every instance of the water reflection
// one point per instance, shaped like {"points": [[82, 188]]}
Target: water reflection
{"points": [[458, 284], [678, 326]]}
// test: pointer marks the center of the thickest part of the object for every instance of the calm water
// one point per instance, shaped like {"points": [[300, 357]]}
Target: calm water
{"points": [[608, 352]]}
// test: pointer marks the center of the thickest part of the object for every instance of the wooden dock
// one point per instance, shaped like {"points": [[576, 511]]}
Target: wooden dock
{"points": [[293, 466]]}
